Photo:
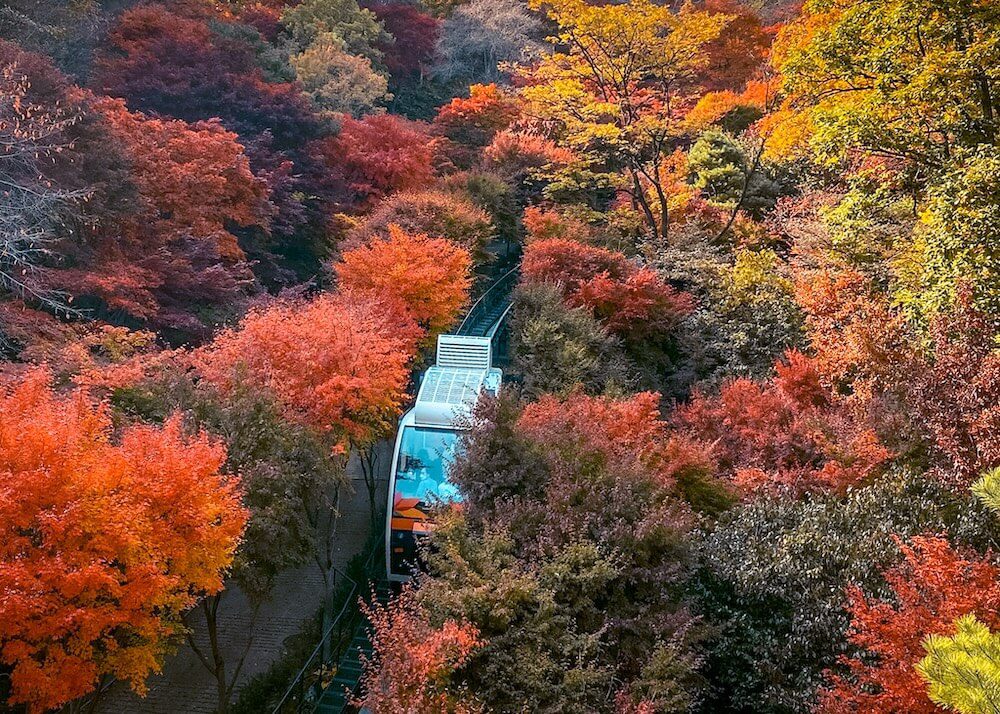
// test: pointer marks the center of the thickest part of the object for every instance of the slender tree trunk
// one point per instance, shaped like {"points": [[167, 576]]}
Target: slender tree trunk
{"points": [[368, 456], [325, 524], [641, 198], [95, 701], [215, 660], [664, 209], [217, 666]]}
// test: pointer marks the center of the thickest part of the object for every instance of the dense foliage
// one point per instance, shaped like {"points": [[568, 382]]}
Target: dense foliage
{"points": [[746, 454], [105, 545]]}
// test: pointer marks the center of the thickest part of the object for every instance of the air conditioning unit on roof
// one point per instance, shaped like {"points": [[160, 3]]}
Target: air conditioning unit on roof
{"points": [[464, 352]]}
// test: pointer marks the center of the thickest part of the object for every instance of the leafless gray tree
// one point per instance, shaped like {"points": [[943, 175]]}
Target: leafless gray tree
{"points": [[481, 35], [32, 207]]}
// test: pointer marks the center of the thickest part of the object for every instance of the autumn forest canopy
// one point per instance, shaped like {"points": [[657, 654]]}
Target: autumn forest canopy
{"points": [[747, 453]]}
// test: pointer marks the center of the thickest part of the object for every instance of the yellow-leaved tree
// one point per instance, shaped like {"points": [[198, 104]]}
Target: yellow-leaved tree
{"points": [[614, 92]]}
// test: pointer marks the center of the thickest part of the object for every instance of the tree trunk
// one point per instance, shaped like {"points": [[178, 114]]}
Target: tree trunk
{"points": [[326, 619], [368, 457], [95, 701], [641, 198], [754, 167], [211, 610], [664, 209], [326, 529], [215, 661]]}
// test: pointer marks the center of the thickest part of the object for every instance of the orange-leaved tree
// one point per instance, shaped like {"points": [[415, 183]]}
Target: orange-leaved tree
{"points": [[175, 247], [381, 154], [469, 124], [430, 276], [632, 302], [624, 434], [932, 587], [791, 432], [338, 363], [192, 178], [414, 660], [103, 544], [476, 120], [570, 263]]}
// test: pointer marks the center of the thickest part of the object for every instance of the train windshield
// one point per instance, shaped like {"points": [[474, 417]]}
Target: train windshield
{"points": [[422, 470]]}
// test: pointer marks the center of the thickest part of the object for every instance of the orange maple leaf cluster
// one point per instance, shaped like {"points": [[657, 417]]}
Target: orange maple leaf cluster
{"points": [[338, 363], [630, 301], [103, 544], [791, 431], [429, 276], [414, 660], [932, 587]]}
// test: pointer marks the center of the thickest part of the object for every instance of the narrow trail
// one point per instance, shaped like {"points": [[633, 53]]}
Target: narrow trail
{"points": [[186, 687]]}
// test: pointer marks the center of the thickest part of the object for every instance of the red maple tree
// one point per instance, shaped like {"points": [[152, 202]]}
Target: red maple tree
{"points": [[955, 390], [470, 123], [476, 119], [570, 263], [791, 431], [518, 155], [103, 544], [193, 178], [337, 363], [379, 155], [857, 339], [172, 64], [414, 39], [739, 50], [630, 301], [413, 661], [176, 247], [932, 587], [625, 433]]}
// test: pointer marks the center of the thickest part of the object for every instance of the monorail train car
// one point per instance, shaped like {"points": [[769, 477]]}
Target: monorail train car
{"points": [[426, 442]]}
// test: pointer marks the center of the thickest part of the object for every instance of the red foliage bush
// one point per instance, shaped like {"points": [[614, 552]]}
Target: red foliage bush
{"points": [[739, 50], [475, 120], [381, 154], [516, 154], [194, 185], [790, 432], [414, 660], [955, 390], [637, 307], [932, 587], [625, 433], [415, 36], [632, 302], [570, 263], [858, 340], [173, 65], [543, 224], [948, 385], [337, 363]]}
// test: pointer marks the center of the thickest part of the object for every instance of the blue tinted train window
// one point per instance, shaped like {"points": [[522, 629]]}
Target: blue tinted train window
{"points": [[422, 470]]}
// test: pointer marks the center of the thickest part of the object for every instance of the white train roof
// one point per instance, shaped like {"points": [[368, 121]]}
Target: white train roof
{"points": [[450, 389]]}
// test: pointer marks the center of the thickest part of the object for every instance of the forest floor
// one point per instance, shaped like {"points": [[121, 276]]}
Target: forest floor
{"points": [[186, 686]]}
